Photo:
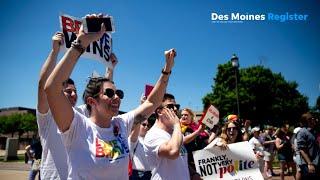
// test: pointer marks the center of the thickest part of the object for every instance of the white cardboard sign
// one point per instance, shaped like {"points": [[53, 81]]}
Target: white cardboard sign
{"points": [[211, 117], [98, 50], [238, 162]]}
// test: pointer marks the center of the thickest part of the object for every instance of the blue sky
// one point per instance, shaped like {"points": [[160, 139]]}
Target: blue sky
{"points": [[144, 29]]}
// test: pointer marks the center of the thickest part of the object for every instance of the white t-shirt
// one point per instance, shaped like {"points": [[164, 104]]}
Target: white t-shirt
{"points": [[54, 157], [139, 160], [258, 147], [163, 168], [256, 144], [83, 110], [98, 153]]}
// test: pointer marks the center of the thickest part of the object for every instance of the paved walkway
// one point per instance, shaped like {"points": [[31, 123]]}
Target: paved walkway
{"points": [[20, 171], [13, 175], [14, 170]]}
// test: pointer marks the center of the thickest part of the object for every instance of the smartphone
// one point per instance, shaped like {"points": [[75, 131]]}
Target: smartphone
{"points": [[148, 89], [94, 24]]}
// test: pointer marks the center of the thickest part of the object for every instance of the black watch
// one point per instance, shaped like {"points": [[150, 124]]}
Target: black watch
{"points": [[165, 73]]}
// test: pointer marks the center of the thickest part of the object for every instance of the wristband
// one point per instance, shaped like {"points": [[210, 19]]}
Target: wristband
{"points": [[165, 73], [77, 46]]}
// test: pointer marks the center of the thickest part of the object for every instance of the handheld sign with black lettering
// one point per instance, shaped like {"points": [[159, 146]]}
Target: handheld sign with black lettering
{"points": [[98, 50], [237, 162], [211, 117]]}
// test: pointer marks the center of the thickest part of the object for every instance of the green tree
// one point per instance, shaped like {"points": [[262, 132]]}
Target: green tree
{"points": [[318, 104], [264, 96], [18, 123], [28, 123], [316, 111]]}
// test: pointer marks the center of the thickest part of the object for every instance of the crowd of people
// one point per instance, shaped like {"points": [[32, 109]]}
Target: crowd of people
{"points": [[93, 141]]}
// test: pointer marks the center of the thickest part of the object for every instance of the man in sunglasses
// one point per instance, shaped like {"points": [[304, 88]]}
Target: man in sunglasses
{"points": [[97, 147], [169, 102], [54, 162], [164, 143]]}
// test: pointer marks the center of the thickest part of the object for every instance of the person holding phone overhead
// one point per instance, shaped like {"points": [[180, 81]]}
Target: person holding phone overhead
{"points": [[54, 157], [97, 147]]}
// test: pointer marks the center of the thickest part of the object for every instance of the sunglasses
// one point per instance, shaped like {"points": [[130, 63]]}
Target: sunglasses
{"points": [[172, 106], [110, 93], [145, 124]]}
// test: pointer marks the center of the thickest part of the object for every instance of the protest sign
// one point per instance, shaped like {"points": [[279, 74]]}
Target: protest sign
{"points": [[98, 50], [148, 89], [238, 162], [211, 117]]}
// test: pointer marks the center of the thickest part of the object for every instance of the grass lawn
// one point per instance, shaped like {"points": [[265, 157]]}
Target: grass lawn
{"points": [[20, 158]]}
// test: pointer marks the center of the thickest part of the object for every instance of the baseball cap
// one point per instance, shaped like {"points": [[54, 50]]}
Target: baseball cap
{"points": [[255, 129], [296, 130]]}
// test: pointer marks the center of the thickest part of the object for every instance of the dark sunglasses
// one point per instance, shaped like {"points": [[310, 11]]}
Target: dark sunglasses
{"points": [[172, 106], [110, 93], [145, 124]]}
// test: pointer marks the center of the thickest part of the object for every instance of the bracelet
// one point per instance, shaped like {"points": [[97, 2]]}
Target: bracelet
{"points": [[77, 46], [165, 73]]}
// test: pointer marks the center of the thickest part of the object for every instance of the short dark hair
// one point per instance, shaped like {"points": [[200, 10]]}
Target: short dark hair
{"points": [[93, 89], [305, 119], [167, 96], [68, 81]]}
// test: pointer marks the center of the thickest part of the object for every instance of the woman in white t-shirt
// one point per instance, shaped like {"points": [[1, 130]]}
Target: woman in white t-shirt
{"points": [[140, 166], [97, 147]]}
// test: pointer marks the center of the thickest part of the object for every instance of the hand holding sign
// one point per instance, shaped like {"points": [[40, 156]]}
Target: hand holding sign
{"points": [[57, 40], [211, 117], [98, 50], [114, 60], [87, 38]]}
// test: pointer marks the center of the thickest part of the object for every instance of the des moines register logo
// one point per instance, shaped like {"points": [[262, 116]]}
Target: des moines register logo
{"points": [[236, 17]]}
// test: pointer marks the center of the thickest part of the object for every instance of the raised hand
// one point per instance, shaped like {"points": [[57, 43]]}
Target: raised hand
{"points": [[170, 55], [87, 38], [222, 145], [143, 98], [114, 60], [57, 40], [170, 116]]}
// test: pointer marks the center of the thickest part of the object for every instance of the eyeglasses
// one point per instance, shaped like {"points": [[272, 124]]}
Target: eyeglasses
{"points": [[110, 93], [172, 106]]}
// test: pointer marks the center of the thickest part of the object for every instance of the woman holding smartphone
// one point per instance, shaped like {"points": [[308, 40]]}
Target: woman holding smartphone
{"points": [[97, 147]]}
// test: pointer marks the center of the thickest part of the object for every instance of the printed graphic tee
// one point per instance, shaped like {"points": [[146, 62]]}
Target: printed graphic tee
{"points": [[98, 153], [164, 168]]}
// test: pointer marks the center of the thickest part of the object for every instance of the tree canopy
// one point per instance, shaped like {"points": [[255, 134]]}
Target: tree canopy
{"points": [[264, 97], [18, 123]]}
